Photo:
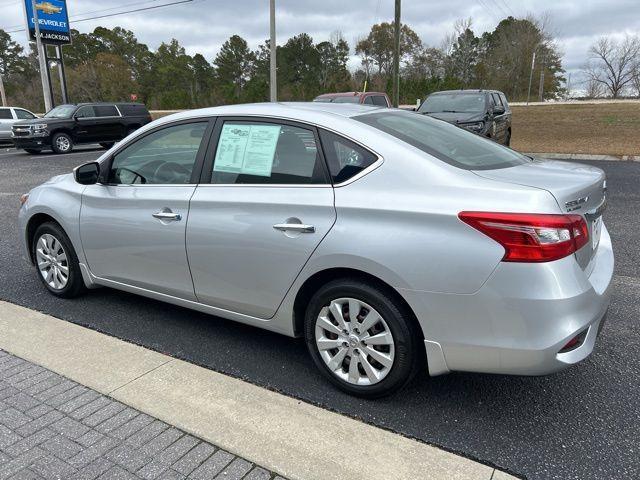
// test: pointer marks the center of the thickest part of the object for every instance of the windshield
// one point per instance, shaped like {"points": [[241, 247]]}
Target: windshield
{"points": [[444, 141], [61, 111], [453, 102]]}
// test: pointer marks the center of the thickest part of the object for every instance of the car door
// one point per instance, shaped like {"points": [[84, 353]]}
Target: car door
{"points": [[133, 223], [500, 120], [108, 123], [6, 120], [264, 204], [85, 129]]}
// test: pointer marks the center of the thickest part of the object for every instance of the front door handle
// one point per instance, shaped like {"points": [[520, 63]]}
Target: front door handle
{"points": [[295, 227], [167, 215]]}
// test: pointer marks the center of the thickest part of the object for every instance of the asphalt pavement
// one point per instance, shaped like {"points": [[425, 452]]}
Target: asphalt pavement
{"points": [[582, 423]]}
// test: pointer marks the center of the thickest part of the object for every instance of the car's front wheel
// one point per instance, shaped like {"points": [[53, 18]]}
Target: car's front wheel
{"points": [[61, 143], [56, 261], [362, 338]]}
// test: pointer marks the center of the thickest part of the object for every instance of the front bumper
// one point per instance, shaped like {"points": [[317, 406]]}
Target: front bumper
{"points": [[31, 142], [520, 319]]}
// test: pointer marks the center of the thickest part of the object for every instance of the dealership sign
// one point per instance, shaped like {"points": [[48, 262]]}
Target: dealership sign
{"points": [[53, 21]]}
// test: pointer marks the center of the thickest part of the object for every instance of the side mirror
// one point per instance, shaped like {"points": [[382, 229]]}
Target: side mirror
{"points": [[87, 174], [498, 110]]}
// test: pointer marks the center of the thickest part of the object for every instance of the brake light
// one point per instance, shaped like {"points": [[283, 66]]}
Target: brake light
{"points": [[531, 237]]}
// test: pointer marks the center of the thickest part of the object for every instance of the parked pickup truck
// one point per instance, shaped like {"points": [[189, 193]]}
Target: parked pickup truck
{"points": [[66, 125]]}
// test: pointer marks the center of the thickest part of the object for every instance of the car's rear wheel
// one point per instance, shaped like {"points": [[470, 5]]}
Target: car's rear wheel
{"points": [[361, 338], [107, 145], [33, 151], [61, 143], [56, 261], [507, 141]]}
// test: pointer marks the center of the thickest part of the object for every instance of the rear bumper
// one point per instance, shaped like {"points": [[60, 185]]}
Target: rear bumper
{"points": [[520, 319]]}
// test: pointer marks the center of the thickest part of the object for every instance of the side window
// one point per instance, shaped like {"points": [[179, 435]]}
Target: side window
{"points": [[85, 112], [496, 99], [504, 101], [266, 153], [23, 114], [105, 111], [5, 114], [368, 100], [345, 158], [166, 156], [380, 101]]}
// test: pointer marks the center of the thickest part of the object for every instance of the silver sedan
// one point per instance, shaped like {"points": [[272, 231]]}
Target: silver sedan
{"points": [[390, 241]]}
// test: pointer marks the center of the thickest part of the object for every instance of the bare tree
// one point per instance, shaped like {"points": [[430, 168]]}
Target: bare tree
{"points": [[612, 63], [593, 88]]}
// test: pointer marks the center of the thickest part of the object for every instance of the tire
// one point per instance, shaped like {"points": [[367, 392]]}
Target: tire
{"points": [[61, 143], [406, 351], [130, 130], [107, 145], [507, 141], [33, 151], [44, 250]]}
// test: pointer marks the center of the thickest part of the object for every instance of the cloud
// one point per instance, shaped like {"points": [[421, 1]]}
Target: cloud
{"points": [[203, 25]]}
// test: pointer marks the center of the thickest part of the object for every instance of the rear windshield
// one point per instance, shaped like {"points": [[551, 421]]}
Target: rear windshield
{"points": [[454, 102], [444, 141]]}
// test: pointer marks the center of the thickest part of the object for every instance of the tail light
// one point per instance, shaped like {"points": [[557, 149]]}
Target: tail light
{"points": [[531, 237]]}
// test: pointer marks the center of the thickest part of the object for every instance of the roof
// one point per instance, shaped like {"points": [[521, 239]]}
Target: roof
{"points": [[469, 90], [304, 111]]}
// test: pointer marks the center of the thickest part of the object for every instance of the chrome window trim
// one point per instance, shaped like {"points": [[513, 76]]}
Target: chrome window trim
{"points": [[366, 171]]}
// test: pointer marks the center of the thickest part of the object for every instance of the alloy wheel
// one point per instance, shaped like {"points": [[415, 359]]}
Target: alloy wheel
{"points": [[63, 143], [354, 341], [52, 261]]}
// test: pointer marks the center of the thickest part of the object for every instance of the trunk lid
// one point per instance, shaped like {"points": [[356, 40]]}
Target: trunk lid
{"points": [[578, 189]]}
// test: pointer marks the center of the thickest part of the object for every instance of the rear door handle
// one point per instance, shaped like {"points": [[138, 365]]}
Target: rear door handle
{"points": [[295, 227], [167, 216]]}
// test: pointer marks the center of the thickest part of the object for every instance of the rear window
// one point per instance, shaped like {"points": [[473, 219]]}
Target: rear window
{"points": [[380, 100], [133, 109], [5, 114], [105, 111], [444, 141]]}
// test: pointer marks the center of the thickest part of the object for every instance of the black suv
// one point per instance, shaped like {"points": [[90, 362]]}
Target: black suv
{"points": [[66, 125], [485, 112]]}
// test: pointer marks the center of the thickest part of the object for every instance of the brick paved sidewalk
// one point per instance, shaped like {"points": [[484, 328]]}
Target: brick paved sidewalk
{"points": [[54, 428]]}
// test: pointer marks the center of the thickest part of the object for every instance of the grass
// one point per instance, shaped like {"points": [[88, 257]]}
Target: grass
{"points": [[608, 129]]}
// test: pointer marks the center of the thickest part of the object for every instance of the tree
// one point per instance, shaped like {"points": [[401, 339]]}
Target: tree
{"points": [[11, 59], [377, 47], [298, 67], [464, 57], [107, 77], [613, 63], [234, 65], [506, 53], [334, 55], [170, 79]]}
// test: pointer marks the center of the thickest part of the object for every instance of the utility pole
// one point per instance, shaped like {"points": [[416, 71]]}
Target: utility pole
{"points": [[568, 87], [273, 86], [2, 94], [44, 68], [533, 64], [541, 88], [63, 81], [396, 58]]}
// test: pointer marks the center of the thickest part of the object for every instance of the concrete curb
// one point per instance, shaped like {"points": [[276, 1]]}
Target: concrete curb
{"points": [[283, 434], [585, 156]]}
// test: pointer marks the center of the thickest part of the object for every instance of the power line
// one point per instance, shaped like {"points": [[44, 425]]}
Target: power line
{"points": [[76, 15], [118, 13]]}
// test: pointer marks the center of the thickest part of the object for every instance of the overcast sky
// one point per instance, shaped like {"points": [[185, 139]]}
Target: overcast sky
{"points": [[203, 25]]}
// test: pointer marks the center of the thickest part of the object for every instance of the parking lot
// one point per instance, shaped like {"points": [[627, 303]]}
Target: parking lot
{"points": [[578, 424]]}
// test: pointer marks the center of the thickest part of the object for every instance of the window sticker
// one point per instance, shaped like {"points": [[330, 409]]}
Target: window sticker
{"points": [[247, 149]]}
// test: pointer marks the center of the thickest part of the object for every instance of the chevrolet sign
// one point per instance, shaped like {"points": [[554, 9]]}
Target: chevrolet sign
{"points": [[53, 20]]}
